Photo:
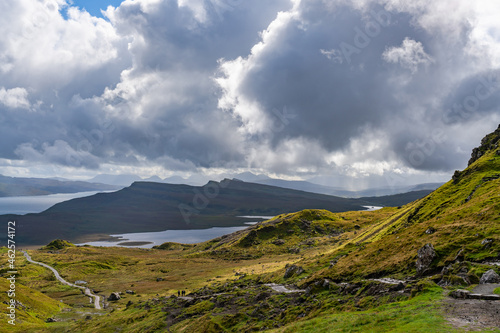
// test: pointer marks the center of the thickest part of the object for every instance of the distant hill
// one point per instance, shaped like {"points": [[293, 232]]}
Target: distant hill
{"points": [[117, 180], [13, 186], [146, 206], [338, 191]]}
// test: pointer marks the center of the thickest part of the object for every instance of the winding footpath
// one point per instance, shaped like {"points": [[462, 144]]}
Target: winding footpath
{"points": [[86, 290]]}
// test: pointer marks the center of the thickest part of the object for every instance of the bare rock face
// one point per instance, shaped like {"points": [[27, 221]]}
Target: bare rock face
{"points": [[114, 297], [490, 277], [425, 256]]}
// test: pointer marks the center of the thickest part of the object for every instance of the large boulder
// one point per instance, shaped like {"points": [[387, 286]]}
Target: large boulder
{"points": [[425, 256], [114, 297], [490, 277]]}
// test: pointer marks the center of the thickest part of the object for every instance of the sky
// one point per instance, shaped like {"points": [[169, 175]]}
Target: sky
{"points": [[348, 93], [93, 7]]}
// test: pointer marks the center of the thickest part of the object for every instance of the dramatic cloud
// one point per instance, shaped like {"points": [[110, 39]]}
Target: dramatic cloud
{"points": [[379, 73], [410, 55], [293, 88]]}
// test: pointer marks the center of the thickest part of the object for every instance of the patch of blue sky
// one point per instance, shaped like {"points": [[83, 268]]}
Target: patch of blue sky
{"points": [[93, 7]]}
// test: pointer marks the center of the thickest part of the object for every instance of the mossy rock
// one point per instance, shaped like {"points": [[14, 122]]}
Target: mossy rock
{"points": [[58, 244]]}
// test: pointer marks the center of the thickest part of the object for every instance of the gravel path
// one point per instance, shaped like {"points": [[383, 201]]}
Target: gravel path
{"points": [[282, 289], [485, 289], [86, 290]]}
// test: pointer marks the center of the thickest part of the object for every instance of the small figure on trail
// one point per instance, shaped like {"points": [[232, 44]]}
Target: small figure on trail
{"points": [[178, 293], [183, 293]]}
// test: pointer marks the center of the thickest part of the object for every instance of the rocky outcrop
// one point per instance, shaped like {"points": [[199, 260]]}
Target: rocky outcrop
{"points": [[293, 270], [490, 277], [425, 256], [114, 297], [489, 142]]}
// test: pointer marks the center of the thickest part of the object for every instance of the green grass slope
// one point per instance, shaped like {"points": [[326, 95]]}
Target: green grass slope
{"points": [[33, 308]]}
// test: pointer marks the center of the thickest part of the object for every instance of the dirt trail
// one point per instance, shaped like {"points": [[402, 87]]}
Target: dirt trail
{"points": [[472, 314], [86, 290]]}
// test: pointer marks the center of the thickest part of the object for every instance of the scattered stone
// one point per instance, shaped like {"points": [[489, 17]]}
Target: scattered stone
{"points": [[490, 277], [446, 270], [460, 293], [487, 242], [278, 242], [430, 231], [131, 292], [88, 317], [159, 279], [51, 320], [292, 270], [80, 282], [114, 297], [425, 256], [309, 242]]}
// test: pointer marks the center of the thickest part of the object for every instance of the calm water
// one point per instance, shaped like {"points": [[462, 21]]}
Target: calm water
{"points": [[372, 208], [36, 204], [177, 236], [160, 237]]}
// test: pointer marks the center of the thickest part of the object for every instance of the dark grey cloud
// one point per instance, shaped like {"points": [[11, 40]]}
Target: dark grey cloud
{"points": [[345, 72]]}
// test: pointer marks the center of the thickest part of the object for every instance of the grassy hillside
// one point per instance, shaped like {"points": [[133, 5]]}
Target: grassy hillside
{"points": [[32, 306], [347, 272]]}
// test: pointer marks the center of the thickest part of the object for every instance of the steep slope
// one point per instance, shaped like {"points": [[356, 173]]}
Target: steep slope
{"points": [[461, 216]]}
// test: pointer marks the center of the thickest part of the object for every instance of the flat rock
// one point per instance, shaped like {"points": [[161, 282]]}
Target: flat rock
{"points": [[460, 293]]}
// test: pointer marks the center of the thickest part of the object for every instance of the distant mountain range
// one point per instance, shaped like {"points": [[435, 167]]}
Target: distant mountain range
{"points": [[13, 186], [148, 206], [300, 185]]}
